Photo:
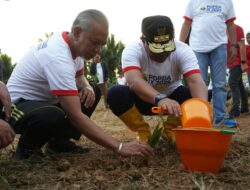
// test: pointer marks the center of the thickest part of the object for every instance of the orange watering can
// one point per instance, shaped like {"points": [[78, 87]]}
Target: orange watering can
{"points": [[195, 113]]}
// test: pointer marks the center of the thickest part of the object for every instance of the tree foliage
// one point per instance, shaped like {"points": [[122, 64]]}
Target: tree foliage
{"points": [[7, 67], [111, 54]]}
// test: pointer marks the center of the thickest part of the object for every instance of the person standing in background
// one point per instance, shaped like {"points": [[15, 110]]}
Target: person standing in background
{"points": [[210, 20], [248, 56], [99, 69], [236, 67]]}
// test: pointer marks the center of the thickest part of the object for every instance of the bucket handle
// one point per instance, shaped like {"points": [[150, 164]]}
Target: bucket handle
{"points": [[158, 110]]}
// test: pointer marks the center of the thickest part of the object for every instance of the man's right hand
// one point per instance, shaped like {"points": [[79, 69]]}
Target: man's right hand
{"points": [[172, 107], [137, 148], [7, 134]]}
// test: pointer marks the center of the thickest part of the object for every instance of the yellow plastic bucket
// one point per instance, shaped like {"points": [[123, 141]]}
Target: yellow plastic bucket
{"points": [[196, 113]]}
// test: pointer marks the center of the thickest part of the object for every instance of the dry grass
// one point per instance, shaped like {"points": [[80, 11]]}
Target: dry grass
{"points": [[103, 169]]}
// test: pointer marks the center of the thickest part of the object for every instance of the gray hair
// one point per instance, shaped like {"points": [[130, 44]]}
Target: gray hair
{"points": [[85, 18]]}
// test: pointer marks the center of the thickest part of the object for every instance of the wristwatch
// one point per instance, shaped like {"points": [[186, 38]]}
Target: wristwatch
{"points": [[159, 97], [243, 62]]}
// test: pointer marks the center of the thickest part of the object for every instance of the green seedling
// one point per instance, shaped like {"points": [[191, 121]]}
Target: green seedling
{"points": [[155, 137]]}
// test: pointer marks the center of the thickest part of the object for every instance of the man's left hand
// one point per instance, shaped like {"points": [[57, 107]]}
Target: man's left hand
{"points": [[87, 96]]}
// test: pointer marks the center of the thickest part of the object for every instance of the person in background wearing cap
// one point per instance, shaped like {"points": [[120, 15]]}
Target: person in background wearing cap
{"points": [[53, 99], [210, 21], [153, 67], [248, 56], [236, 67]]}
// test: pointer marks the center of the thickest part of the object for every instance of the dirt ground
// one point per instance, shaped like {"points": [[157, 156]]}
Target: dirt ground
{"points": [[103, 169]]}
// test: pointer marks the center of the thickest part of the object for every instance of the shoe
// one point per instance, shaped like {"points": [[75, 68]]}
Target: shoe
{"points": [[65, 146], [143, 135], [230, 123], [23, 153], [226, 123], [168, 135]]}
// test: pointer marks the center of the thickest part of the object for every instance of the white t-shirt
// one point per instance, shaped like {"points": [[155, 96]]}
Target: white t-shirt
{"points": [[165, 77], [121, 80], [46, 71], [99, 73], [209, 18]]}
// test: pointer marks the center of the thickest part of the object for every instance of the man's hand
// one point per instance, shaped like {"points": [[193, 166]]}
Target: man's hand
{"points": [[7, 134], [87, 96], [172, 107], [244, 67], [136, 148]]}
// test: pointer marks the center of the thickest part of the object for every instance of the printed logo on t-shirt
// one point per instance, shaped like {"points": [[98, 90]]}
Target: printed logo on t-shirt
{"points": [[159, 83], [159, 80], [212, 8], [42, 45]]}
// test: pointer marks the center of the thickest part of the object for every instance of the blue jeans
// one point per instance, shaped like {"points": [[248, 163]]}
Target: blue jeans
{"points": [[217, 61]]}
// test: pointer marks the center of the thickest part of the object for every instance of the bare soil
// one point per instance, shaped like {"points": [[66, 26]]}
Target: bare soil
{"points": [[103, 169]]}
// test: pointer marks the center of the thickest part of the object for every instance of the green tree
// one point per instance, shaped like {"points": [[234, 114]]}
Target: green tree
{"points": [[7, 66], [111, 54]]}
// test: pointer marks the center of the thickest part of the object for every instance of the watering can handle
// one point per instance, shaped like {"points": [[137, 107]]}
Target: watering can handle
{"points": [[158, 110]]}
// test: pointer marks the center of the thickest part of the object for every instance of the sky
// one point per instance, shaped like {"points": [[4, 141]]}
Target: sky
{"points": [[23, 22]]}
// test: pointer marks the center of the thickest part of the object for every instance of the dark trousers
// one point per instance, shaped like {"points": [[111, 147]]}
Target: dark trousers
{"points": [[120, 99], [239, 94], [38, 122]]}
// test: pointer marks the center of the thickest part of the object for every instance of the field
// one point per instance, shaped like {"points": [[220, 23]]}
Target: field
{"points": [[103, 169]]}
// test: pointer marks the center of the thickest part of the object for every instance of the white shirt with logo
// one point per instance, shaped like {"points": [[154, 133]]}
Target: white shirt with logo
{"points": [[45, 72], [209, 18], [165, 77]]}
